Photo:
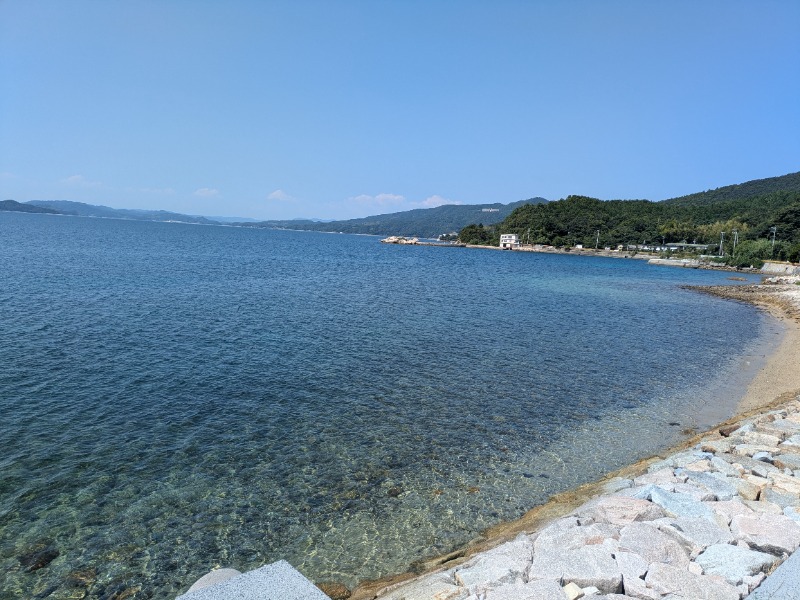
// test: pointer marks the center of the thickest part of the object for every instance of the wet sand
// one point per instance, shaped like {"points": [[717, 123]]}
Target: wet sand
{"points": [[776, 383], [780, 375]]}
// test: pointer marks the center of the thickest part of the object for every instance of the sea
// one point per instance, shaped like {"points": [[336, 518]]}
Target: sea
{"points": [[175, 398]]}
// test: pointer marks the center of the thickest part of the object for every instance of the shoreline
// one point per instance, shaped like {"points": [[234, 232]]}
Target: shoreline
{"points": [[775, 384]]}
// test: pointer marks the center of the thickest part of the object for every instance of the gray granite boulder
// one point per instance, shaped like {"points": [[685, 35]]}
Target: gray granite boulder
{"points": [[679, 505], [653, 545], [439, 586], [720, 487], [565, 534], [733, 563], [726, 468], [787, 461], [775, 534], [503, 564], [619, 510], [780, 497], [678, 582], [544, 589], [695, 534], [587, 566], [782, 584]]}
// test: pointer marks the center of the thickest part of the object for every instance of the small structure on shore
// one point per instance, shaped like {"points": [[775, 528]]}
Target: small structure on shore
{"points": [[509, 241]]}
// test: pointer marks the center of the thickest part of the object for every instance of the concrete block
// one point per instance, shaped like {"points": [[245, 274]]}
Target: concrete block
{"points": [[276, 581]]}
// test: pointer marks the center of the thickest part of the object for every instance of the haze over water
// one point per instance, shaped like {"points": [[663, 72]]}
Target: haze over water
{"points": [[179, 397]]}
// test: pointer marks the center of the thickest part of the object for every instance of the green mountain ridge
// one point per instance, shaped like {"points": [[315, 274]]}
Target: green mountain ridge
{"points": [[81, 209], [14, 206], [419, 222]]}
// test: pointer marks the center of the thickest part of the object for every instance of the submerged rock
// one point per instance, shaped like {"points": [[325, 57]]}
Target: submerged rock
{"points": [[335, 590], [38, 558]]}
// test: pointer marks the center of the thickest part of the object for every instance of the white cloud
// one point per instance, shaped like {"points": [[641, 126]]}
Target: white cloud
{"points": [[206, 192], [280, 196], [80, 181], [436, 200]]}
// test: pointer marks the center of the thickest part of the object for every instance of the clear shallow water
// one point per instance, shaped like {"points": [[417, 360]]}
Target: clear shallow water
{"points": [[178, 397]]}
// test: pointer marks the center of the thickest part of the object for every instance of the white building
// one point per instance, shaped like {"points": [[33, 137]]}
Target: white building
{"points": [[509, 240]]}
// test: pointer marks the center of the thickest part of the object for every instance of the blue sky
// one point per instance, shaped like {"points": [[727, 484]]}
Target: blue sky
{"points": [[338, 109]]}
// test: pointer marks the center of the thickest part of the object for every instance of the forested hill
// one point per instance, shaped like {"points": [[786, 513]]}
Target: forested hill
{"points": [[420, 222], [748, 212], [750, 189], [14, 206]]}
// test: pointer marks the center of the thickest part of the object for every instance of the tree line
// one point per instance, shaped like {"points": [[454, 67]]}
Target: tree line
{"points": [[746, 221]]}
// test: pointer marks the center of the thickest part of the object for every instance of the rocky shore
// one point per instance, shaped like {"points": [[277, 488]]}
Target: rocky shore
{"points": [[709, 520]]}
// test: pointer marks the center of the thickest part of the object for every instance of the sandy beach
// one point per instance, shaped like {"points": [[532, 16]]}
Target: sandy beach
{"points": [[776, 384], [780, 376]]}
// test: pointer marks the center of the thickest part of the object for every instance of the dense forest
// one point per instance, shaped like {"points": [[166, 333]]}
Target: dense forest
{"points": [[746, 213]]}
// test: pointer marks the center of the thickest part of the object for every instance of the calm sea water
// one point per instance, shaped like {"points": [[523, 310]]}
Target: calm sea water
{"points": [[178, 397]]}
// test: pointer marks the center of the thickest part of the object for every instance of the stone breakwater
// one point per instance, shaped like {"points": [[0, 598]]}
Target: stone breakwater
{"points": [[708, 522]]}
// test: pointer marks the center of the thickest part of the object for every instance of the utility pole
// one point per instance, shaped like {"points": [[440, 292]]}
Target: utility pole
{"points": [[721, 239], [597, 241], [735, 239], [774, 230]]}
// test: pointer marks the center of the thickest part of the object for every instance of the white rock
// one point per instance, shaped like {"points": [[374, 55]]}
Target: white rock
{"points": [[572, 591]]}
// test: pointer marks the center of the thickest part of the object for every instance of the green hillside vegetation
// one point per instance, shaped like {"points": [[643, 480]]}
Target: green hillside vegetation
{"points": [[750, 189], [14, 206], [420, 222], [751, 209]]}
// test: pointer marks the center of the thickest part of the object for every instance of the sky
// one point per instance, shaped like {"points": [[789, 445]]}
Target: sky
{"points": [[336, 109]]}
